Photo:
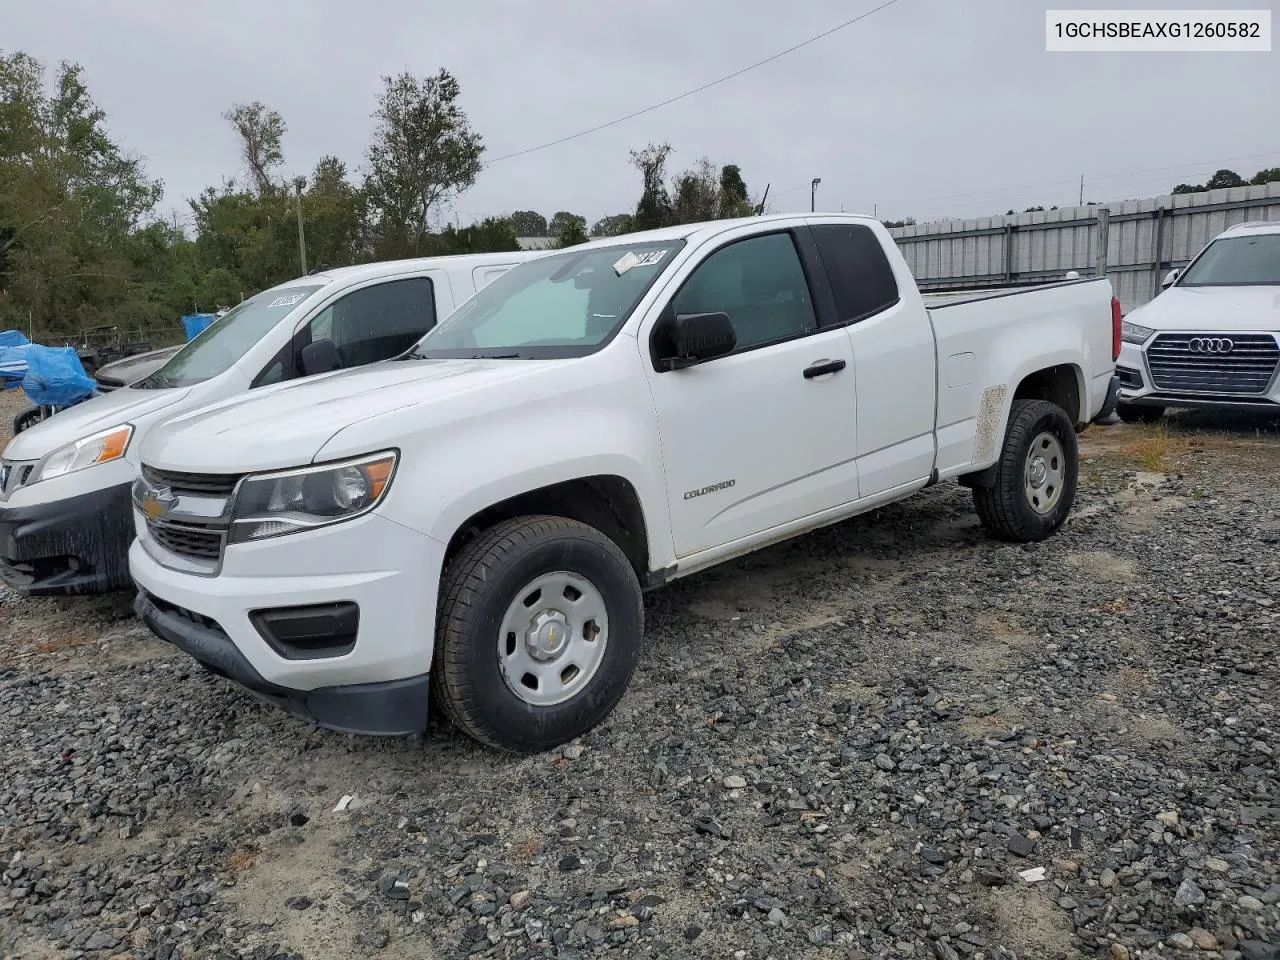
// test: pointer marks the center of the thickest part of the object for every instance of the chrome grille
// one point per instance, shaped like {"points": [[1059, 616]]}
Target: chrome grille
{"points": [[197, 543], [1247, 368], [187, 514], [192, 484]]}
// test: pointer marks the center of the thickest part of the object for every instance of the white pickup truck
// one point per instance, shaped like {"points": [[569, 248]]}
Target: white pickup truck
{"points": [[476, 521], [1211, 340], [66, 520]]}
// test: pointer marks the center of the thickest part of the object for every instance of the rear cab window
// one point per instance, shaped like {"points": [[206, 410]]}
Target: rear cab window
{"points": [[861, 276]]}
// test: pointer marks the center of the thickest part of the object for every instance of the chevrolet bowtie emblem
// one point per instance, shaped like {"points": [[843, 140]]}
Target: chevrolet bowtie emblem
{"points": [[156, 503]]}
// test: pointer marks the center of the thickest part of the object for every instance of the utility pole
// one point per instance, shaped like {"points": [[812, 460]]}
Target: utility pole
{"points": [[813, 193], [302, 237], [1082, 189]]}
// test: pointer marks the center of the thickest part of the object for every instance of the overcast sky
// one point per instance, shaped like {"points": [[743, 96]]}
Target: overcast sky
{"points": [[929, 108]]}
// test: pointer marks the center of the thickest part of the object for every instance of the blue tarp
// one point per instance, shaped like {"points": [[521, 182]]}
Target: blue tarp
{"points": [[13, 365], [13, 338], [55, 376], [194, 323]]}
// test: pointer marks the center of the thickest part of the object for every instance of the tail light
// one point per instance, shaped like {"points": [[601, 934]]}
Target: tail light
{"points": [[1117, 319]]}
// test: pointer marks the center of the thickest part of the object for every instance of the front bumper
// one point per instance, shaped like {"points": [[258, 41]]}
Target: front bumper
{"points": [[71, 546], [1138, 388], [395, 707], [387, 571]]}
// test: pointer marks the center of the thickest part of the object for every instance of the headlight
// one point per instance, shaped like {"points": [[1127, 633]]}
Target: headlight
{"points": [[1134, 333], [274, 504], [100, 448]]}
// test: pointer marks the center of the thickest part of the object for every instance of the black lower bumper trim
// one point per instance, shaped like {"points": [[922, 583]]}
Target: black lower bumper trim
{"points": [[77, 545], [391, 708], [1109, 404]]}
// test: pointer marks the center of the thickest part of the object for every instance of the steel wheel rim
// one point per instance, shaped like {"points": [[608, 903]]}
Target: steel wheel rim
{"points": [[1045, 472], [553, 638]]}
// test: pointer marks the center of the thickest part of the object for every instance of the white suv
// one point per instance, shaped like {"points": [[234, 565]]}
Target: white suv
{"points": [[1210, 338]]}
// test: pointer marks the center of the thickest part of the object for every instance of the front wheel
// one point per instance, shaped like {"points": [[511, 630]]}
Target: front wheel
{"points": [[540, 626], [1036, 474], [1138, 412]]}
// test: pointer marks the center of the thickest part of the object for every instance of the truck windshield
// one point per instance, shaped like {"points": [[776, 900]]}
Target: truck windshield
{"points": [[227, 339], [562, 305], [1237, 262]]}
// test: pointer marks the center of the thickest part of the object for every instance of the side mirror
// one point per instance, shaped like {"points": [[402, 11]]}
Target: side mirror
{"points": [[1169, 277], [319, 356], [701, 336]]}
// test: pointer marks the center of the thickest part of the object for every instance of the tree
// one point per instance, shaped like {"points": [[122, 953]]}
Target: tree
{"points": [[423, 152], [70, 202], [490, 235], [654, 209], [1223, 179], [905, 222], [568, 229], [1219, 181], [261, 131], [734, 201], [334, 212], [1270, 175], [529, 223], [613, 225]]}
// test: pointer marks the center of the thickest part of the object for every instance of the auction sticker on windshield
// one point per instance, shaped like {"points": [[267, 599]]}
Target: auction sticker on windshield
{"points": [[630, 260], [286, 301]]}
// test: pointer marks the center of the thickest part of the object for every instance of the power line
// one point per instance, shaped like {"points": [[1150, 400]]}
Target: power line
{"points": [[1045, 185], [695, 90]]}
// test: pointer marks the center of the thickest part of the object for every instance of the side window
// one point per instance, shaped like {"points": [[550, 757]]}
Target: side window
{"points": [[376, 323], [759, 283], [861, 277]]}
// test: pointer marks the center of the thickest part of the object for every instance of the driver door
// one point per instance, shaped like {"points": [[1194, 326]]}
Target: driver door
{"points": [[767, 434]]}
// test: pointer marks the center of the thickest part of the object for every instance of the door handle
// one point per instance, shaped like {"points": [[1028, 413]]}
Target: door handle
{"points": [[823, 367]]}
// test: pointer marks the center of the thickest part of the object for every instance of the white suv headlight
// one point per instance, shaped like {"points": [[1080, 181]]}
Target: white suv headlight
{"points": [[1134, 332], [99, 448], [291, 501]]}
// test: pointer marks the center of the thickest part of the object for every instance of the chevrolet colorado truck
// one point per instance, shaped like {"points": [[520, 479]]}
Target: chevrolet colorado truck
{"points": [[1211, 339], [472, 525], [65, 516]]}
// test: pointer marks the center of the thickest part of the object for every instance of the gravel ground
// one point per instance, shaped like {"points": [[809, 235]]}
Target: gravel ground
{"points": [[891, 738]]}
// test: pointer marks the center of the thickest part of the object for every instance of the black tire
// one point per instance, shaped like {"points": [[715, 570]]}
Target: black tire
{"points": [[1005, 508], [1138, 413], [27, 418], [478, 586]]}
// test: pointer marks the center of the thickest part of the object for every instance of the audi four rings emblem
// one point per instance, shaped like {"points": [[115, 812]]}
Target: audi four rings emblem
{"points": [[1210, 345]]}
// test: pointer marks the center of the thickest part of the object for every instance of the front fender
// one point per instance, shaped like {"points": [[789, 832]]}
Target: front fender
{"points": [[457, 462]]}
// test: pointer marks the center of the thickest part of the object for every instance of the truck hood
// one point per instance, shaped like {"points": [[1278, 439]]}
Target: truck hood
{"points": [[1212, 309], [135, 368], [97, 413], [287, 425]]}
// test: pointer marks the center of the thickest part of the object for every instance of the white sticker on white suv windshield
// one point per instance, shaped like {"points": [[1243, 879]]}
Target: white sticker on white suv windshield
{"points": [[288, 301], [630, 260]]}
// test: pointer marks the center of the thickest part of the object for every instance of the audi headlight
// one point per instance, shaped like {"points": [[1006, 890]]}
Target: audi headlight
{"points": [[291, 501], [1134, 332], [100, 448]]}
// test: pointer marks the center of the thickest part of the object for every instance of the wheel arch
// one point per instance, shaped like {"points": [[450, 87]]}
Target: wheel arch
{"points": [[609, 503]]}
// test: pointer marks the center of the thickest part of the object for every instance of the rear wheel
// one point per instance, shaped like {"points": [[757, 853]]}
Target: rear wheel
{"points": [[540, 627], [1139, 413], [1036, 474]]}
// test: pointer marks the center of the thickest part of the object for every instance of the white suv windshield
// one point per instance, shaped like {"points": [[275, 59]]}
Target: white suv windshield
{"points": [[1237, 262], [228, 338], [563, 305]]}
